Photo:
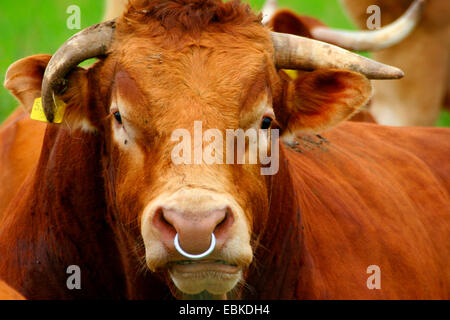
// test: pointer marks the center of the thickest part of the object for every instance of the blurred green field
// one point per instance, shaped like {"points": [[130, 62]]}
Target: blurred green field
{"points": [[32, 27]]}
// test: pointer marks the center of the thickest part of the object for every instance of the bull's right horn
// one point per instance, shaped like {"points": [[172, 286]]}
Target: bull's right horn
{"points": [[377, 39]]}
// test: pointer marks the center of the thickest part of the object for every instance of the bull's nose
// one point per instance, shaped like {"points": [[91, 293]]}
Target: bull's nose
{"points": [[194, 229]]}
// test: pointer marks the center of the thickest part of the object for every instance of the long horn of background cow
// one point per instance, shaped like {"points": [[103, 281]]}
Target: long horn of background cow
{"points": [[293, 52], [89, 43], [268, 11], [377, 39]]}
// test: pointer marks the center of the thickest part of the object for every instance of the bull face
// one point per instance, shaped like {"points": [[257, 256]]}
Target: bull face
{"points": [[163, 77], [167, 89], [149, 103]]}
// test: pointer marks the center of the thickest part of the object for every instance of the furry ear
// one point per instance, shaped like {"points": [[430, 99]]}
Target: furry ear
{"points": [[319, 100], [286, 21], [24, 81]]}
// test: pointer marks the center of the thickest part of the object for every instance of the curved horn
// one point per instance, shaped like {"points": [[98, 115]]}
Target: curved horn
{"points": [[88, 43], [377, 39], [268, 11], [293, 52]]}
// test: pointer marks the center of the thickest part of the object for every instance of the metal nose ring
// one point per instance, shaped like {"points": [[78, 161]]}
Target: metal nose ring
{"points": [[195, 256]]}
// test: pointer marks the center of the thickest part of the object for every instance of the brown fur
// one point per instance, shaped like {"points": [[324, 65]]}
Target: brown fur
{"points": [[21, 142], [8, 293], [363, 194]]}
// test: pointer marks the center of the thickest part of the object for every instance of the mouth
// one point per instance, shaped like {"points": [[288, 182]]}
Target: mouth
{"points": [[216, 277], [203, 266]]}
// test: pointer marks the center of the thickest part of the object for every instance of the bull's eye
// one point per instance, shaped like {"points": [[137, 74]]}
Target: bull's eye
{"points": [[266, 123], [118, 117]]}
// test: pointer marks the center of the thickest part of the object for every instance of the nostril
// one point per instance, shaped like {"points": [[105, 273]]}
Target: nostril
{"points": [[164, 226], [224, 225]]}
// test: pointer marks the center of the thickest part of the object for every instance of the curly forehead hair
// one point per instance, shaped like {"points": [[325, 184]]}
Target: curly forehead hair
{"points": [[187, 16]]}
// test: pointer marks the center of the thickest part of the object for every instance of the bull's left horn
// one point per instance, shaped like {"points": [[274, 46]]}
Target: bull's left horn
{"points": [[294, 52], [88, 43], [383, 38]]}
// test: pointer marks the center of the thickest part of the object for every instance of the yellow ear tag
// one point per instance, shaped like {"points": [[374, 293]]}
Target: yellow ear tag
{"points": [[37, 113], [291, 73]]}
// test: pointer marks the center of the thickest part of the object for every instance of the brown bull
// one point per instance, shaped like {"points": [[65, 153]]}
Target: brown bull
{"points": [[107, 196]]}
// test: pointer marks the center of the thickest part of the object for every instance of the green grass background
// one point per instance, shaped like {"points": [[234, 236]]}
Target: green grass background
{"points": [[39, 26]]}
